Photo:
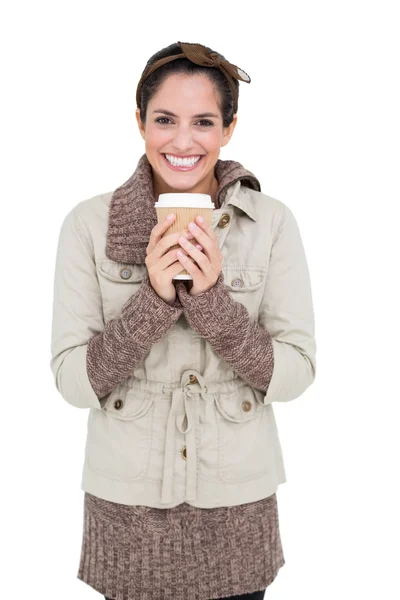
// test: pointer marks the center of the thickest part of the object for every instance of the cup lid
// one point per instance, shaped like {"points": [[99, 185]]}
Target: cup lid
{"points": [[184, 200]]}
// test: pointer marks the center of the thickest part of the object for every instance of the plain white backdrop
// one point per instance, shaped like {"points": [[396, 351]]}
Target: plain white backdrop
{"points": [[319, 126]]}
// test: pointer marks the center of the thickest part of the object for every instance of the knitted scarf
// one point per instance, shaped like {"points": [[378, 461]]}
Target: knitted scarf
{"points": [[132, 214]]}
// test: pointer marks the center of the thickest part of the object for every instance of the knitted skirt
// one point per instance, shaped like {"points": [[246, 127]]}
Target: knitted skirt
{"points": [[180, 553]]}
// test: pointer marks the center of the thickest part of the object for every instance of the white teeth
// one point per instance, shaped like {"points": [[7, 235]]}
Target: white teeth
{"points": [[182, 162]]}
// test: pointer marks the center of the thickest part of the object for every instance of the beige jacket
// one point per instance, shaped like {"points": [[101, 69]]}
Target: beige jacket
{"points": [[228, 452]]}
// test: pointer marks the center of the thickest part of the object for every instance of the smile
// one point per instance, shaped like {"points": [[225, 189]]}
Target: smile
{"points": [[177, 166]]}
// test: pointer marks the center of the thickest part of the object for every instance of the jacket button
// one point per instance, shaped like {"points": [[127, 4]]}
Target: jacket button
{"points": [[118, 404], [125, 273], [224, 220], [192, 379], [183, 452], [246, 405], [237, 282]]}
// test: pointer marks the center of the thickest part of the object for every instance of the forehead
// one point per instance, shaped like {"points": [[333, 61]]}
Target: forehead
{"points": [[183, 93]]}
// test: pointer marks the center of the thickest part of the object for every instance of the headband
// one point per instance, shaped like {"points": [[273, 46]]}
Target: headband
{"points": [[198, 54]]}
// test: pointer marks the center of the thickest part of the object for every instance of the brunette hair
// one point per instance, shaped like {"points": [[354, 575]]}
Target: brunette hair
{"points": [[152, 83]]}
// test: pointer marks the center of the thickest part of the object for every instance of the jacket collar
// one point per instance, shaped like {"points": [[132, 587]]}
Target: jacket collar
{"points": [[132, 215]]}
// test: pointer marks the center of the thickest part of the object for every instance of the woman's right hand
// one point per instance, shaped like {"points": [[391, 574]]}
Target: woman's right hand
{"points": [[163, 265]]}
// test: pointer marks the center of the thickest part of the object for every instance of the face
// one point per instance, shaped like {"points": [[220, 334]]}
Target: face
{"points": [[184, 133]]}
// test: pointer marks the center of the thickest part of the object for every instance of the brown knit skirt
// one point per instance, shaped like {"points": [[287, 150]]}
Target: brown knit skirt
{"points": [[180, 553]]}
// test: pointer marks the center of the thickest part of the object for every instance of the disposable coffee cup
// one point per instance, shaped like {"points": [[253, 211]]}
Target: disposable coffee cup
{"points": [[186, 207]]}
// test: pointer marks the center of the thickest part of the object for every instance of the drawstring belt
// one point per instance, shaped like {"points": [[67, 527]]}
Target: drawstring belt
{"points": [[183, 407]]}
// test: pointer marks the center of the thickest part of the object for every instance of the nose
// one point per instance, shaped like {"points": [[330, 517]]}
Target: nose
{"points": [[182, 142]]}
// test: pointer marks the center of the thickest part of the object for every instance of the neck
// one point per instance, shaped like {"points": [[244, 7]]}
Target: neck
{"points": [[209, 187]]}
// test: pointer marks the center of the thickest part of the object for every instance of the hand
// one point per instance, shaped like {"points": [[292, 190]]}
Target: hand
{"points": [[209, 263], [162, 266]]}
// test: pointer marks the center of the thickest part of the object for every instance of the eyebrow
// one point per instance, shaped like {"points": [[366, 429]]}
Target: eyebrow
{"points": [[171, 114]]}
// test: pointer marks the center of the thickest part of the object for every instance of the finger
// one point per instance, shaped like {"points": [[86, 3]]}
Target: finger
{"points": [[188, 264], [168, 241], [198, 256], [158, 231], [210, 245], [206, 237], [176, 267], [205, 226], [164, 243], [163, 225], [155, 264]]}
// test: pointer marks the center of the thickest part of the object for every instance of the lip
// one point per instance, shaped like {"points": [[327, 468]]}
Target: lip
{"points": [[173, 168]]}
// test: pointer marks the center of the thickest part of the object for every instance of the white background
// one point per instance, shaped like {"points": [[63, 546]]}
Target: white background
{"points": [[319, 126]]}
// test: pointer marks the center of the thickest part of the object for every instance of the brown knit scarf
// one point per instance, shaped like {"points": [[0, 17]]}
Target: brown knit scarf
{"points": [[132, 215]]}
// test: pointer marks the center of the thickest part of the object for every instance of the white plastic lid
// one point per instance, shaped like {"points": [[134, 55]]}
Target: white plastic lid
{"points": [[184, 200]]}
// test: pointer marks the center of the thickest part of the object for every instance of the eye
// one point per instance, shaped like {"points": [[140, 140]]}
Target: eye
{"points": [[209, 123]]}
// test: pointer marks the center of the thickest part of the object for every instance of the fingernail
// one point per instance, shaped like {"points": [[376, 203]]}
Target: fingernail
{"points": [[170, 217], [200, 219]]}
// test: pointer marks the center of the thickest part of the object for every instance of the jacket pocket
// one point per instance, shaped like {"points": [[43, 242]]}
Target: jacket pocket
{"points": [[246, 285], [119, 436], [118, 282], [242, 435]]}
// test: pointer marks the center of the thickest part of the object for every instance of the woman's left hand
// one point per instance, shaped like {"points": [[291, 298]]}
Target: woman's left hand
{"points": [[209, 262]]}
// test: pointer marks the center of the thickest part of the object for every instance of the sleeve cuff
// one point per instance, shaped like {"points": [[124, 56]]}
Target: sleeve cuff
{"points": [[209, 312], [147, 317]]}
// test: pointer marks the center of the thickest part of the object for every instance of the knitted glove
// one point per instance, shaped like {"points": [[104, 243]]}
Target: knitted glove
{"points": [[114, 353], [228, 327]]}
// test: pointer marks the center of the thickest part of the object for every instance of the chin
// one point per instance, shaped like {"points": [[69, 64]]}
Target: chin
{"points": [[180, 180], [181, 186]]}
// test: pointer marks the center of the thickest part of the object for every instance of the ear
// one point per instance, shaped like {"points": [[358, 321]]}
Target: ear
{"points": [[139, 122], [228, 131]]}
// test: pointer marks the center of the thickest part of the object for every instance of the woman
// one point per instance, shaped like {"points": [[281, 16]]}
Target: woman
{"points": [[183, 457]]}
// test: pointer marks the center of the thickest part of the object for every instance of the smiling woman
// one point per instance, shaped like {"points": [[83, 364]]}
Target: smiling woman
{"points": [[182, 458], [182, 135]]}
